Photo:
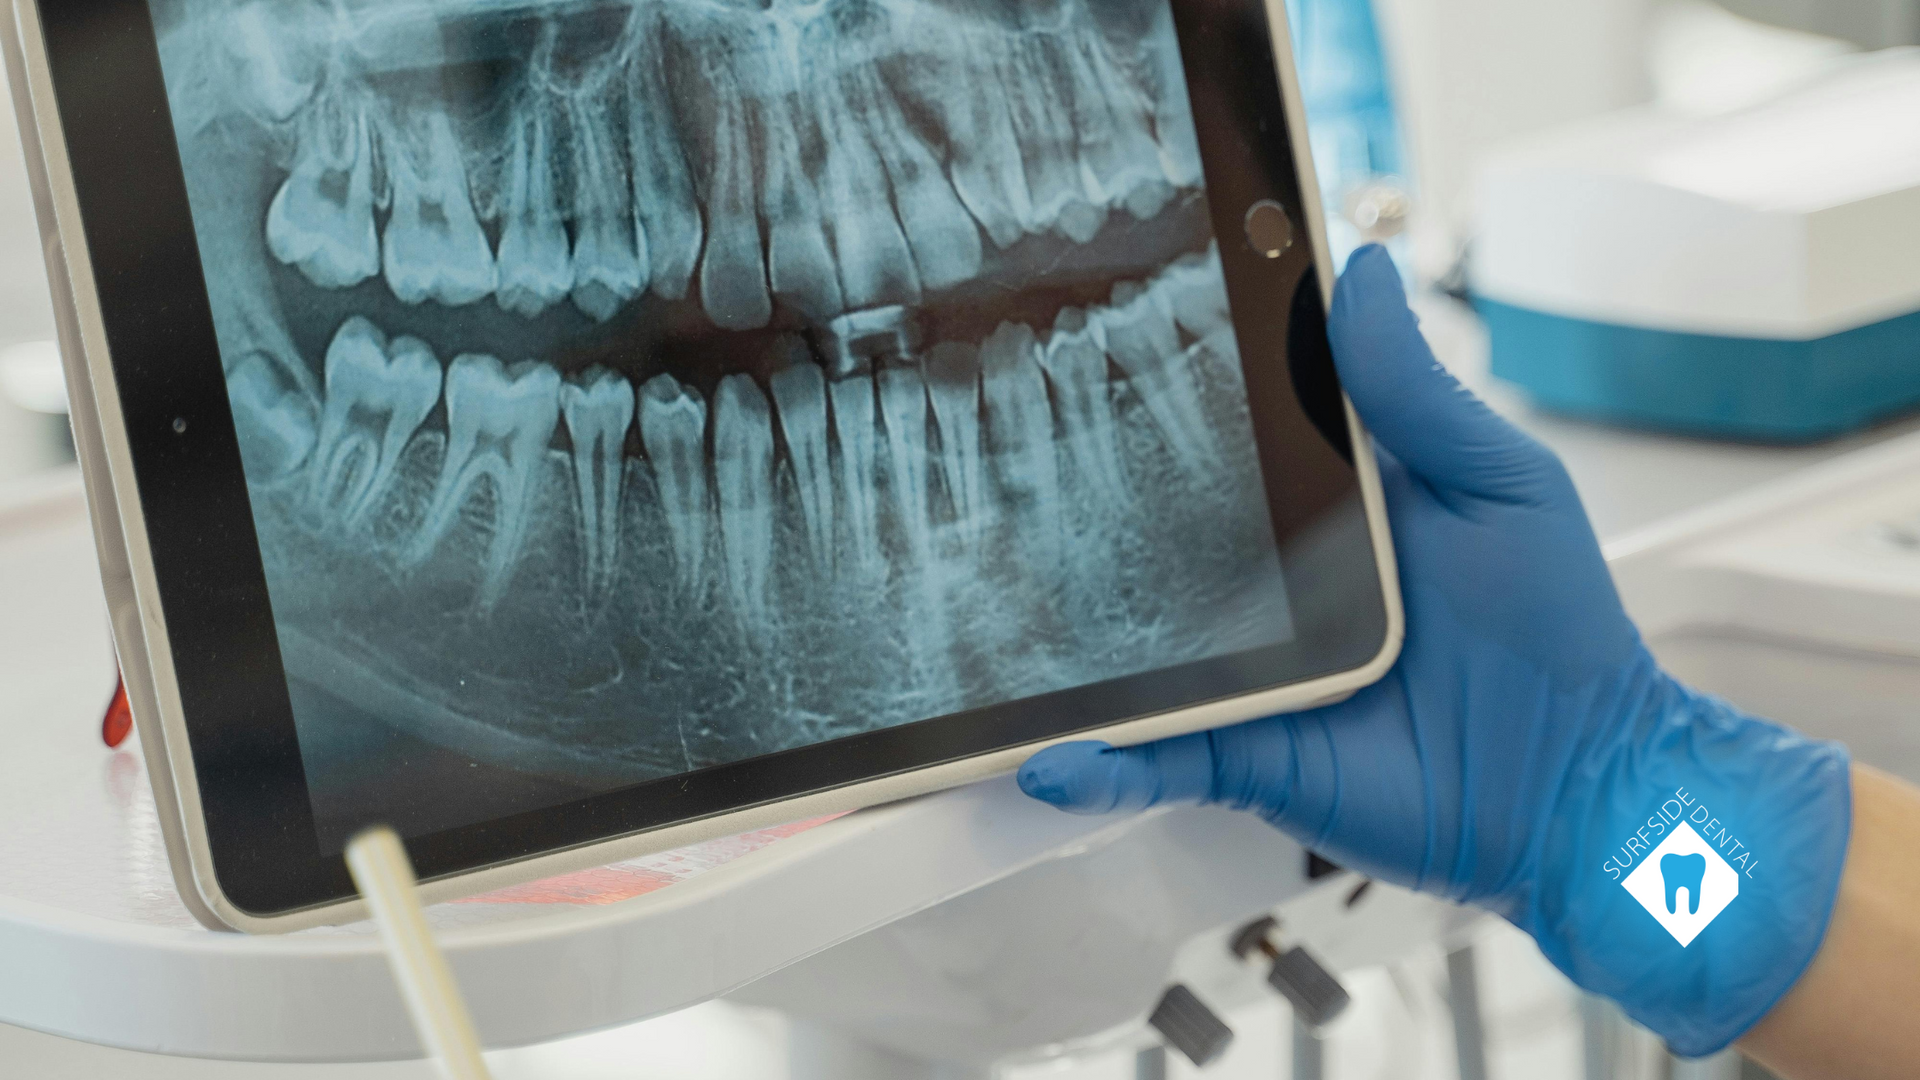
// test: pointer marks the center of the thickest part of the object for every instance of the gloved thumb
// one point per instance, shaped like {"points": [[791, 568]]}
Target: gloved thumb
{"points": [[1095, 778], [1436, 427]]}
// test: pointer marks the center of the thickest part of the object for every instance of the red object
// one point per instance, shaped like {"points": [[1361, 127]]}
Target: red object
{"points": [[119, 720]]}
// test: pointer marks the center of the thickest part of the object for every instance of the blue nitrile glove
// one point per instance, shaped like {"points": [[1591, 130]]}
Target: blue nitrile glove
{"points": [[1526, 754]]}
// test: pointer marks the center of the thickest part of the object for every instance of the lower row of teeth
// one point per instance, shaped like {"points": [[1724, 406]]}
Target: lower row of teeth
{"points": [[1012, 413]]}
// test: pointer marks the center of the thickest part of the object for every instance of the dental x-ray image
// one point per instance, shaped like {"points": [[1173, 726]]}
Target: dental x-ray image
{"points": [[627, 387]]}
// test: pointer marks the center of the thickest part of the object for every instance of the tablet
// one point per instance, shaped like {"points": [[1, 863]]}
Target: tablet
{"points": [[561, 429]]}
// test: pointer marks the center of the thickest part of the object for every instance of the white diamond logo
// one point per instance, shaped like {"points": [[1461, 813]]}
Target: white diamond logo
{"points": [[1684, 884]]}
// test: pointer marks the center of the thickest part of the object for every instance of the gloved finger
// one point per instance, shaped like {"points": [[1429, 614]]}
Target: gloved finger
{"points": [[1414, 407], [1095, 778]]}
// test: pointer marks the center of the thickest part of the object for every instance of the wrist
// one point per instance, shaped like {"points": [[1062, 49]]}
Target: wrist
{"points": [[1690, 795]]}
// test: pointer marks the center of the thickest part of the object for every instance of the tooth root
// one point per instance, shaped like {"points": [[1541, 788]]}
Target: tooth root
{"points": [[986, 168], [598, 406], [377, 397], [663, 202], [1020, 429], [733, 278], [800, 396], [1173, 111], [1119, 160], [953, 384], [434, 247], [1144, 343], [941, 234], [876, 266], [321, 219], [275, 417], [535, 268], [673, 425], [875, 263], [799, 263], [499, 422], [1041, 121], [743, 477], [273, 52], [853, 429], [945, 241], [1077, 369], [903, 407], [610, 261]]}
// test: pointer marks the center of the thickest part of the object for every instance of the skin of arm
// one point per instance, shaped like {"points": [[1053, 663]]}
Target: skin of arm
{"points": [[1855, 1013]]}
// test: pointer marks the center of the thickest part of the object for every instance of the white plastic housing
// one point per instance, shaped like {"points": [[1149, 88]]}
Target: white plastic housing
{"points": [[1790, 220]]}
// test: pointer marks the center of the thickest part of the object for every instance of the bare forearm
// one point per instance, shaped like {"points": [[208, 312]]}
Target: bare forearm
{"points": [[1855, 1014]]}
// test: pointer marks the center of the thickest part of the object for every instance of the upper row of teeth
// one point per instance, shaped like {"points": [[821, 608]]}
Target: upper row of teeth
{"points": [[1029, 398], [809, 182]]}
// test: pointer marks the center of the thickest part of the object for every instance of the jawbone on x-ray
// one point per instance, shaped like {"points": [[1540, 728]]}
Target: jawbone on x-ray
{"points": [[630, 387]]}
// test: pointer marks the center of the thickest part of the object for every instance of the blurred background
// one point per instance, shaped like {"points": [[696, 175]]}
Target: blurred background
{"points": [[1678, 240]]}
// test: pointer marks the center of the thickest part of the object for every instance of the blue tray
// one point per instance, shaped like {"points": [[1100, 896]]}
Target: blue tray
{"points": [[1702, 384]]}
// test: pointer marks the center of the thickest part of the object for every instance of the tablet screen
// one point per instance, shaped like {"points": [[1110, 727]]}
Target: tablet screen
{"points": [[627, 389]]}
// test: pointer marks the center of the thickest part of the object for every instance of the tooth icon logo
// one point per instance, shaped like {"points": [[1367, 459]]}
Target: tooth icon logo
{"points": [[1683, 872], [1683, 883]]}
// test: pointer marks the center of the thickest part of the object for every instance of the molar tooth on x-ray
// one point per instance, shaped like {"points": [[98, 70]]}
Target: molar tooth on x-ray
{"points": [[984, 156], [499, 422], [1021, 425], [275, 419], [433, 247], [1038, 84], [610, 256], [942, 237], [1116, 155], [1173, 111], [1077, 369], [321, 219], [1143, 341], [1194, 294], [535, 268], [269, 47], [874, 363], [800, 265], [378, 394]]}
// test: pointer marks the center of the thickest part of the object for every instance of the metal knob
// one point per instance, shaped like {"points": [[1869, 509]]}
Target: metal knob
{"points": [[1317, 997], [1188, 1026]]}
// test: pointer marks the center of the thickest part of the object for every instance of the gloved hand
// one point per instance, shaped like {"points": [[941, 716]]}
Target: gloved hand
{"points": [[1526, 753]]}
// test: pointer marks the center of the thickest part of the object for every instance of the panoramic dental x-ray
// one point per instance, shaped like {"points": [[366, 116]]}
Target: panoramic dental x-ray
{"points": [[632, 387]]}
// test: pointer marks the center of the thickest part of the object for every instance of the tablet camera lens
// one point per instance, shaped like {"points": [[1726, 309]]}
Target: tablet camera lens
{"points": [[1268, 229]]}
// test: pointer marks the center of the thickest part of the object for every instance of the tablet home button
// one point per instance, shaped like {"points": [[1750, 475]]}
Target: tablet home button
{"points": [[1268, 229]]}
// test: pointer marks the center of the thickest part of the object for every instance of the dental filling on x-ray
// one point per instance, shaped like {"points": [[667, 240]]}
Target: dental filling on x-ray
{"points": [[627, 388]]}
